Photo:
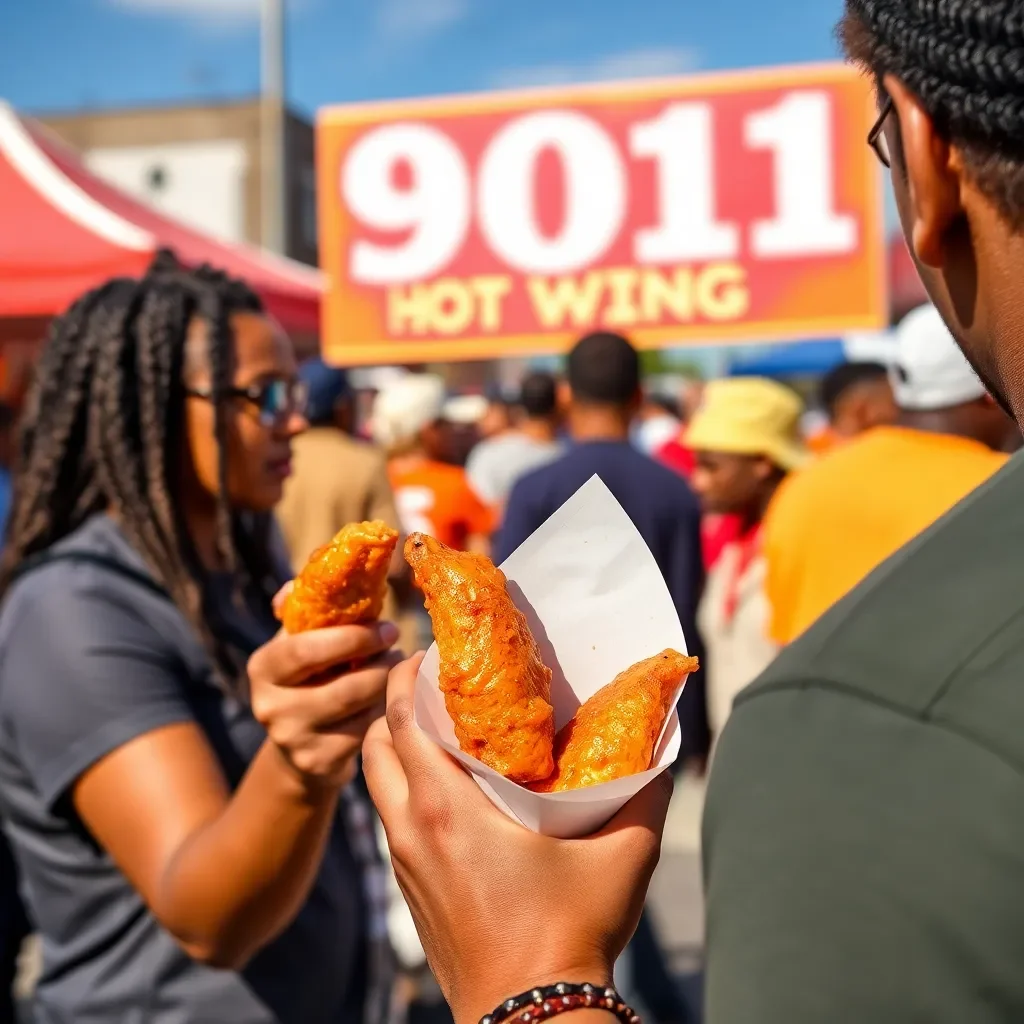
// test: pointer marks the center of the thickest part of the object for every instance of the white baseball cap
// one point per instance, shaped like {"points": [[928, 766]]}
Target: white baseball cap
{"points": [[930, 370], [404, 407], [465, 409]]}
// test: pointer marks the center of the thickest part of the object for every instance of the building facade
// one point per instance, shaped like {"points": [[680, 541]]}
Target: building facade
{"points": [[201, 165]]}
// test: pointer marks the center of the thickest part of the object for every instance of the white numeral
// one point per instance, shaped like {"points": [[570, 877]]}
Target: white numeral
{"points": [[429, 220], [681, 142], [434, 212], [798, 130], [595, 192], [414, 505]]}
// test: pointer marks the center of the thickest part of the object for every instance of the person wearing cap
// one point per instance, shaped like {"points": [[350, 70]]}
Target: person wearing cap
{"points": [[745, 438], [335, 478], [432, 495], [844, 515], [463, 418]]}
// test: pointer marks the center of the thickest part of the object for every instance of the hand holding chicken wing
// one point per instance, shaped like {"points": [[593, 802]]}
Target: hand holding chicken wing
{"points": [[613, 734], [343, 582], [496, 688]]}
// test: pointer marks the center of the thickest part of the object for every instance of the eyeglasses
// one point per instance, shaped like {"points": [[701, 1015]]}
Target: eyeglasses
{"points": [[276, 400], [876, 137]]}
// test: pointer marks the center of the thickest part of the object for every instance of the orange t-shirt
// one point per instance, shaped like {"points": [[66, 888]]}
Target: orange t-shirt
{"points": [[435, 498], [833, 522], [823, 441]]}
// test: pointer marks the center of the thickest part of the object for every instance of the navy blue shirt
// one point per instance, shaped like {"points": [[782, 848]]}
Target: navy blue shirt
{"points": [[665, 512]]}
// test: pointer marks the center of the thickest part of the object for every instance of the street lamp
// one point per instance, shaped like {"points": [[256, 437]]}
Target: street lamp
{"points": [[273, 213]]}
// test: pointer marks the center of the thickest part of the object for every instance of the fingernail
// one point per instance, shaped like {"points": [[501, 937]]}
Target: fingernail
{"points": [[388, 632]]}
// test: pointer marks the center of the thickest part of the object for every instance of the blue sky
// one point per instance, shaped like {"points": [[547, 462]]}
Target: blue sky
{"points": [[69, 54]]}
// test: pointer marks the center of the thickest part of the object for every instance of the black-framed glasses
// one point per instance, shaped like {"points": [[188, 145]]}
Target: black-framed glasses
{"points": [[876, 137], [276, 400]]}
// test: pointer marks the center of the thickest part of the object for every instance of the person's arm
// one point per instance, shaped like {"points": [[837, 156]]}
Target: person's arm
{"points": [[160, 807], [533, 910], [101, 716]]}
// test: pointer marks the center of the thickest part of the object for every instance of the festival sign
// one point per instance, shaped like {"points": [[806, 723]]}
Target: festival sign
{"points": [[709, 208]]}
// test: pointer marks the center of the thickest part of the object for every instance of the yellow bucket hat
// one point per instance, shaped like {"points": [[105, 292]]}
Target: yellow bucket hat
{"points": [[749, 416]]}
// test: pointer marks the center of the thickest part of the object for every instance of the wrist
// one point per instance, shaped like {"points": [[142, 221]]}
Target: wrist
{"points": [[478, 996], [300, 787]]}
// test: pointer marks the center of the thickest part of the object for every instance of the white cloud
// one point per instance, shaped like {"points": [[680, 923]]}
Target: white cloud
{"points": [[649, 62], [220, 13], [413, 19]]}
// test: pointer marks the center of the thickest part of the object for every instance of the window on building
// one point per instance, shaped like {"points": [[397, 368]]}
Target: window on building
{"points": [[156, 178]]}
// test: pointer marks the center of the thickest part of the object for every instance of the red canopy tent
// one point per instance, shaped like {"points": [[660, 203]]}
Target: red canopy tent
{"points": [[63, 230]]}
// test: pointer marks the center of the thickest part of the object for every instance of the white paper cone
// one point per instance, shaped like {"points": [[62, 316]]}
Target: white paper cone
{"points": [[597, 603]]}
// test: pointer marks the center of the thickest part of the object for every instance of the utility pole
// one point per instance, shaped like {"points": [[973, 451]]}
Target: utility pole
{"points": [[273, 207]]}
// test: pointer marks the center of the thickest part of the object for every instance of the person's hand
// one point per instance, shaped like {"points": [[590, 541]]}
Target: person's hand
{"points": [[317, 693], [500, 909]]}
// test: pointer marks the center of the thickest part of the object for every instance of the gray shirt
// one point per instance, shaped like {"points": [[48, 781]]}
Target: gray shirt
{"points": [[495, 465], [89, 660]]}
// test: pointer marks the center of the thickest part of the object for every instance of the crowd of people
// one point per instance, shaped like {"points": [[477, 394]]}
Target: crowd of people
{"points": [[156, 516], [187, 793]]}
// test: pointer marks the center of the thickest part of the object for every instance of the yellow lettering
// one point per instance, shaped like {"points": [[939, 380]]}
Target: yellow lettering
{"points": [[661, 295], [451, 306], [490, 291], [621, 311], [563, 298], [409, 310], [721, 291]]}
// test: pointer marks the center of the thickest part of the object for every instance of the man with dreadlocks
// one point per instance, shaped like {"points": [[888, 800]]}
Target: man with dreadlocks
{"points": [[864, 826], [179, 798]]}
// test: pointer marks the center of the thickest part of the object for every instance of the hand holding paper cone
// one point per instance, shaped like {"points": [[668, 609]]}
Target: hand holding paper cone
{"points": [[496, 688], [614, 733], [343, 582], [591, 591]]}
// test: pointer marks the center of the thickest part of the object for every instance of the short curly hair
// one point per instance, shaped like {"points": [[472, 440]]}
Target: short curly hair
{"points": [[964, 60]]}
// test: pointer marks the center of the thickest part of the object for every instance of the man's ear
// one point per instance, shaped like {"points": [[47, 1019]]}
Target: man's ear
{"points": [[764, 468], [934, 175]]}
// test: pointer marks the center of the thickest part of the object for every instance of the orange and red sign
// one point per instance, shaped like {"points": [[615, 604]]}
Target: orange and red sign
{"points": [[713, 208]]}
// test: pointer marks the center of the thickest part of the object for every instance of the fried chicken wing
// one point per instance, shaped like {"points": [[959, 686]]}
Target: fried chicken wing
{"points": [[613, 733], [343, 582], [496, 688]]}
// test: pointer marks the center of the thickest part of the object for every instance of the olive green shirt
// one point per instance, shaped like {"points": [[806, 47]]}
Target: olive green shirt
{"points": [[864, 826]]}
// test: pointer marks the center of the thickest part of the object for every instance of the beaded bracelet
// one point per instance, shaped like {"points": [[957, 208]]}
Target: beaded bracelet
{"points": [[544, 1003]]}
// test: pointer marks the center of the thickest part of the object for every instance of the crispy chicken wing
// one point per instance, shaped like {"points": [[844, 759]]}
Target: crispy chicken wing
{"points": [[613, 733], [496, 687], [343, 582]]}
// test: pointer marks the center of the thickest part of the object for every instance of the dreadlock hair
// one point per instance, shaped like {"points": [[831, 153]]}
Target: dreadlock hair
{"points": [[964, 60], [103, 429]]}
